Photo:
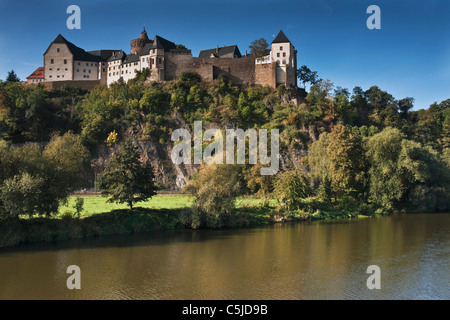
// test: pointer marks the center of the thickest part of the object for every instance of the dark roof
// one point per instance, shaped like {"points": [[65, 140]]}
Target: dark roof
{"points": [[131, 58], [146, 50], [117, 55], [78, 53], [104, 54], [161, 43], [280, 38], [221, 52], [37, 74]]}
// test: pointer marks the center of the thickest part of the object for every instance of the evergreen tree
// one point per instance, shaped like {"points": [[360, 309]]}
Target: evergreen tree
{"points": [[126, 179], [12, 77]]}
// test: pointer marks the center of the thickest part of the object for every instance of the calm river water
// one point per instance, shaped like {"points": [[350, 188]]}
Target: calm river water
{"points": [[318, 260]]}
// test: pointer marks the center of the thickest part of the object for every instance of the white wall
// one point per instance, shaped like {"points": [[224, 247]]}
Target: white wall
{"points": [[114, 71], [85, 70], [144, 61], [129, 70]]}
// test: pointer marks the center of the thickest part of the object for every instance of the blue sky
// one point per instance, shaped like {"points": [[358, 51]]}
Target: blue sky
{"points": [[408, 57]]}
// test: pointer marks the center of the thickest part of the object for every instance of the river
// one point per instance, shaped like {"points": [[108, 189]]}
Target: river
{"points": [[315, 260]]}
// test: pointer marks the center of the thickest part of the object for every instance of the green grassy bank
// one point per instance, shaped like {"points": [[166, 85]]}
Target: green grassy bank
{"points": [[119, 221], [100, 218]]}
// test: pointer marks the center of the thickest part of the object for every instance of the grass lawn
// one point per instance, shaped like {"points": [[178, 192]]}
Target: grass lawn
{"points": [[98, 204]]}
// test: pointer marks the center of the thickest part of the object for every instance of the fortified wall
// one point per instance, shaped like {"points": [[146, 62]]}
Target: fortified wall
{"points": [[239, 71]]}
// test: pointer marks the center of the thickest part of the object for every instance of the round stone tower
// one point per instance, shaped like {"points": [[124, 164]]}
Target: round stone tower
{"points": [[138, 44]]}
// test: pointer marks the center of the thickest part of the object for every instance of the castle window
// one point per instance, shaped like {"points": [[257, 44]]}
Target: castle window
{"points": [[62, 76], [65, 69], [110, 74], [57, 49], [281, 47], [87, 64], [50, 69], [78, 70], [159, 60], [65, 61], [284, 54], [49, 76], [92, 64], [78, 63], [278, 54], [104, 69], [122, 72], [89, 71], [284, 61], [84, 70], [57, 69], [51, 60], [57, 76]]}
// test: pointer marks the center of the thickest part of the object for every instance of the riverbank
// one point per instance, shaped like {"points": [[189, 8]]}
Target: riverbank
{"points": [[121, 221], [138, 221]]}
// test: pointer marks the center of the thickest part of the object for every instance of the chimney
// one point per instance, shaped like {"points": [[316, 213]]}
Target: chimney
{"points": [[217, 49]]}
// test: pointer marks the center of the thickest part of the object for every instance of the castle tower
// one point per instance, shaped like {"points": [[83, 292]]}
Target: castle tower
{"points": [[285, 55], [138, 44]]}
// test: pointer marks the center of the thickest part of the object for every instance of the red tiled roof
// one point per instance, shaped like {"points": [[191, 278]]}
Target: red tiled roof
{"points": [[37, 74]]}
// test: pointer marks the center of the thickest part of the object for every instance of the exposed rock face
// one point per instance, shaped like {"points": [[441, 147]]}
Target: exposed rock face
{"points": [[173, 176]]}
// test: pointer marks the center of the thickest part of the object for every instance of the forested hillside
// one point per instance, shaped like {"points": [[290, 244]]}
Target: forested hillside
{"points": [[358, 151]]}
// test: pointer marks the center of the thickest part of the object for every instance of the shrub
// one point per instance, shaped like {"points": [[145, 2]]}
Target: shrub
{"points": [[22, 195], [291, 187], [215, 188], [79, 203]]}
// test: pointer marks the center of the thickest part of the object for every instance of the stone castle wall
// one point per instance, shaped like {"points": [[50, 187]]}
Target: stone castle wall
{"points": [[266, 74], [238, 70], [84, 84]]}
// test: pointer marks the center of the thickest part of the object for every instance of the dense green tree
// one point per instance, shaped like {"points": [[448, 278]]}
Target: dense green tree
{"points": [[127, 180], [43, 177], [347, 162], [405, 105], [21, 195], [12, 77], [259, 48], [215, 189], [67, 156], [318, 159], [154, 101], [99, 119], [346, 112], [305, 75], [405, 175], [359, 101], [291, 187]]}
